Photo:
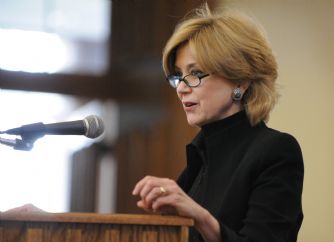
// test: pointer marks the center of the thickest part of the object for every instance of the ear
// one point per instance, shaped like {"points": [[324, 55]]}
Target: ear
{"points": [[243, 85]]}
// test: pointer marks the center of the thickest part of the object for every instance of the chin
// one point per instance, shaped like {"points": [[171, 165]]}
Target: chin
{"points": [[195, 123]]}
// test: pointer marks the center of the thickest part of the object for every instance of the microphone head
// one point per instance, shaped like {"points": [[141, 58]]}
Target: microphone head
{"points": [[94, 126]]}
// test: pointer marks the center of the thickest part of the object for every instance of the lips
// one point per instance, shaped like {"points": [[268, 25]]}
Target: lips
{"points": [[189, 105]]}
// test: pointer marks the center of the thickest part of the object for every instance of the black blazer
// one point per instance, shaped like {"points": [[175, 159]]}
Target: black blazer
{"points": [[249, 178]]}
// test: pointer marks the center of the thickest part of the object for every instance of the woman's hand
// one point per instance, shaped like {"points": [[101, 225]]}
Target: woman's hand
{"points": [[24, 208], [163, 195]]}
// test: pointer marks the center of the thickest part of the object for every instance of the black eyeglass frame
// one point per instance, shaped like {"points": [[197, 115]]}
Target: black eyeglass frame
{"points": [[170, 78]]}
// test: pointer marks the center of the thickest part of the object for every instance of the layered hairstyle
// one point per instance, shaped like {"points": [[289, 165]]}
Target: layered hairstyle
{"points": [[231, 45]]}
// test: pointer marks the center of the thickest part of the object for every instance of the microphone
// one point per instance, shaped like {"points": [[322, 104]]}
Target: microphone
{"points": [[92, 127]]}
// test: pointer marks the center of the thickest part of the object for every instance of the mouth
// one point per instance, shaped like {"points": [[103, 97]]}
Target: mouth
{"points": [[189, 105]]}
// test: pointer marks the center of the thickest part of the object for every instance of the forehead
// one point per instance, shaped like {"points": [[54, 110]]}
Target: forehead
{"points": [[185, 58]]}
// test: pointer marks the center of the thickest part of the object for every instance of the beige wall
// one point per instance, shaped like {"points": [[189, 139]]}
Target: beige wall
{"points": [[302, 36]]}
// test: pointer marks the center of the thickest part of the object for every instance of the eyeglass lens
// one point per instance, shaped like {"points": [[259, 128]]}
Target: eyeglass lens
{"points": [[190, 80]]}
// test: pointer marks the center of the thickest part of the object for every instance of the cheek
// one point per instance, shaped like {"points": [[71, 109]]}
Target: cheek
{"points": [[216, 102], [214, 97]]}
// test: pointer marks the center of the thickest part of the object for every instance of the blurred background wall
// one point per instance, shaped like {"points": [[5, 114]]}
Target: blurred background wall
{"points": [[121, 80]]}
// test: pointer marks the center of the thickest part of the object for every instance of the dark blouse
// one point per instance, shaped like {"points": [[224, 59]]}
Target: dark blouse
{"points": [[249, 178]]}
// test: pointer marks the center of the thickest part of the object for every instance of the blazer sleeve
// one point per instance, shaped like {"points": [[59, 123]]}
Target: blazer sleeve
{"points": [[274, 207]]}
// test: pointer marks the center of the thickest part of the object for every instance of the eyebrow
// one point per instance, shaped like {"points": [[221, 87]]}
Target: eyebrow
{"points": [[189, 66]]}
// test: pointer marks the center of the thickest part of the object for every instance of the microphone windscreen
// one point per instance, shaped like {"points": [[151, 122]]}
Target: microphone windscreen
{"points": [[94, 125]]}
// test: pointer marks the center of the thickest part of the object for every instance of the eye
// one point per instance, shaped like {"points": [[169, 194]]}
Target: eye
{"points": [[197, 73], [178, 73]]}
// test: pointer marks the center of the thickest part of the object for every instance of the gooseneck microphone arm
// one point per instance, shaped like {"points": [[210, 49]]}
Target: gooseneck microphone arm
{"points": [[18, 144], [28, 138]]}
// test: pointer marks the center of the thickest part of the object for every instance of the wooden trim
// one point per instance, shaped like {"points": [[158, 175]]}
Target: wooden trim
{"points": [[97, 218]]}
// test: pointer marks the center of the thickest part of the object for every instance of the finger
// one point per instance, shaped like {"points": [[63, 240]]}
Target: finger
{"points": [[163, 209], [162, 202], [154, 194], [175, 198], [152, 184], [149, 182], [139, 185], [141, 204], [162, 190]]}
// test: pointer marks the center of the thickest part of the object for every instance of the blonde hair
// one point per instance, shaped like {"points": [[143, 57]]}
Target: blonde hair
{"points": [[230, 45]]}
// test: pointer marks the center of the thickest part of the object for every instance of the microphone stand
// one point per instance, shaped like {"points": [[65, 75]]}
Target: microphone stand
{"points": [[26, 143]]}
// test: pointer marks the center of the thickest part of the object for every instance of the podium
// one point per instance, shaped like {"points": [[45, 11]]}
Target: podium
{"points": [[92, 227]]}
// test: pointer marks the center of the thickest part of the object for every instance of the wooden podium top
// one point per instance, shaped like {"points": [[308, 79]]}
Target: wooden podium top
{"points": [[97, 218]]}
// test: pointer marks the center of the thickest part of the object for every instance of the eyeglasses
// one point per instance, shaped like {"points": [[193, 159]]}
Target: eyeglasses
{"points": [[191, 80]]}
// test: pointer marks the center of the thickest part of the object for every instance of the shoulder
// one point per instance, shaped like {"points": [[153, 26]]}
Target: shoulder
{"points": [[274, 140], [276, 148]]}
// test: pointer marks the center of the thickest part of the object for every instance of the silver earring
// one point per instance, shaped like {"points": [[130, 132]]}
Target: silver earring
{"points": [[236, 94]]}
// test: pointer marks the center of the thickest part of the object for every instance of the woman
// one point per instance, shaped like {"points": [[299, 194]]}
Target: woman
{"points": [[243, 180]]}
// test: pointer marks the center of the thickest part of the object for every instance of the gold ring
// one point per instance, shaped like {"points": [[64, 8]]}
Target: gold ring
{"points": [[163, 190]]}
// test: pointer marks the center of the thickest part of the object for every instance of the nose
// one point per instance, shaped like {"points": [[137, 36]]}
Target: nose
{"points": [[183, 88]]}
